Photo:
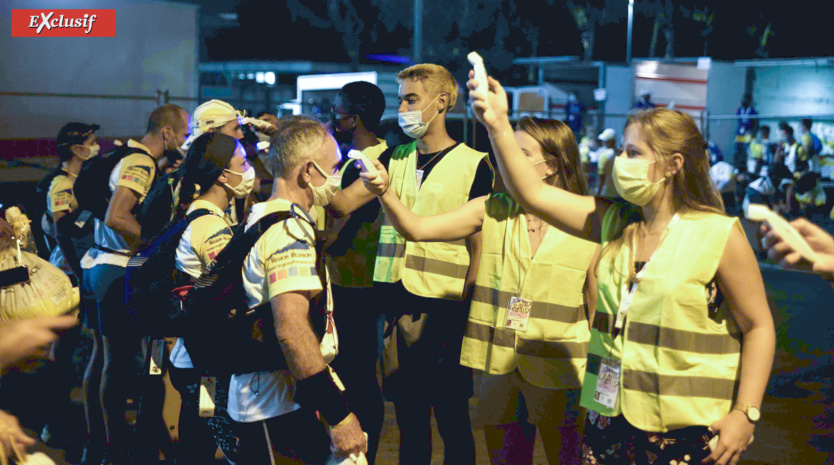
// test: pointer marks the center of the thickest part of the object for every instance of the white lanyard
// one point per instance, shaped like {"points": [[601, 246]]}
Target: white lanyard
{"points": [[627, 295]]}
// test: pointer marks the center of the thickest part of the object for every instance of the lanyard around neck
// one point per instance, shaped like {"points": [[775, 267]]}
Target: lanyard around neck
{"points": [[628, 292]]}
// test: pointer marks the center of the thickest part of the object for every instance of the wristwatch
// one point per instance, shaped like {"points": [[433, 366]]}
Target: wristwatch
{"points": [[753, 414]]}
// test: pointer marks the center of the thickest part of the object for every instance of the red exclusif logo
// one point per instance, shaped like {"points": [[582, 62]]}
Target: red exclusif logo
{"points": [[64, 23]]}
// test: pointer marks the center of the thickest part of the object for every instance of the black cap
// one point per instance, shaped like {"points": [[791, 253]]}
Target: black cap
{"points": [[75, 133]]}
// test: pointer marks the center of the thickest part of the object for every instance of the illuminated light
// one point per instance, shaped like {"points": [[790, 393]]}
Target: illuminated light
{"points": [[259, 77], [241, 76], [250, 76], [269, 78]]}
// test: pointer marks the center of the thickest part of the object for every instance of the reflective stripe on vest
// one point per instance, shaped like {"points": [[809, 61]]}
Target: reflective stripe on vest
{"points": [[679, 365], [552, 352], [355, 267], [428, 269]]}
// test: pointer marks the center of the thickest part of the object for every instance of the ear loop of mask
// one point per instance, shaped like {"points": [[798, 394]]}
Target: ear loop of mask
{"points": [[539, 163]]}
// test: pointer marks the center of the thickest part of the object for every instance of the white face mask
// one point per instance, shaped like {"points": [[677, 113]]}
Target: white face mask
{"points": [[631, 179], [244, 187], [322, 195], [94, 149], [412, 121]]}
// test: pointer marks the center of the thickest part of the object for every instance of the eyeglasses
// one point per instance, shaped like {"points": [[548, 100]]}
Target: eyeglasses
{"points": [[339, 116]]}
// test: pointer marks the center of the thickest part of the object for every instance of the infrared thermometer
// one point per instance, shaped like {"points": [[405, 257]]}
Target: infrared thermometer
{"points": [[365, 163], [480, 72], [758, 212]]}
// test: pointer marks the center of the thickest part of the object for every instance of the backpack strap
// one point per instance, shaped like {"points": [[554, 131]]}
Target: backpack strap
{"points": [[174, 232]]}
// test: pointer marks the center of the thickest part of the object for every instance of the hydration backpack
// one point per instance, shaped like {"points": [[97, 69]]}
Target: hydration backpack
{"points": [[74, 230], [92, 187], [160, 204], [151, 280], [221, 333]]}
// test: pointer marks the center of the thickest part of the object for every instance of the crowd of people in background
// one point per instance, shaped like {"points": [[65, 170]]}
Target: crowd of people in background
{"points": [[605, 301]]}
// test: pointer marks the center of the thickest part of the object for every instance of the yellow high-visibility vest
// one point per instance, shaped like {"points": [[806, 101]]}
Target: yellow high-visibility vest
{"points": [[553, 350], [356, 267], [427, 269], [679, 365]]}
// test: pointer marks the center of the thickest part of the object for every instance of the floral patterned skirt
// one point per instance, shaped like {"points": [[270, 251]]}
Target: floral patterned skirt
{"points": [[614, 441]]}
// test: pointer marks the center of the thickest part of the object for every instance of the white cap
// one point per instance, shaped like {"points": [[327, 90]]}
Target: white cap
{"points": [[644, 91], [211, 114], [607, 134]]}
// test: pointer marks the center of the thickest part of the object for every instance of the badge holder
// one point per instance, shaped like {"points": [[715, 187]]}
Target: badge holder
{"points": [[518, 313], [156, 357], [208, 396]]}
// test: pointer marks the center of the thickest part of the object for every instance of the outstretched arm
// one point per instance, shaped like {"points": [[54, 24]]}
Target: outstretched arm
{"points": [[349, 199], [456, 224], [575, 214]]}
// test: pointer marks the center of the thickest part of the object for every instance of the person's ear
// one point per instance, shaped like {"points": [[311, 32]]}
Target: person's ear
{"points": [[305, 172], [442, 102], [222, 179], [674, 165]]}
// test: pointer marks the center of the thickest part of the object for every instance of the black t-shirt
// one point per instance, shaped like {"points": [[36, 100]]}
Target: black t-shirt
{"points": [[481, 185]]}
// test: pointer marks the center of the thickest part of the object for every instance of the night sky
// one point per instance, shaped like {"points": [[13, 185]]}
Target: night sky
{"points": [[268, 30]]}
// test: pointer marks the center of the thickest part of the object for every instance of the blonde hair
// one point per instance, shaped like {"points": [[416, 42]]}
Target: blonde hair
{"points": [[435, 78], [560, 152], [668, 132]]}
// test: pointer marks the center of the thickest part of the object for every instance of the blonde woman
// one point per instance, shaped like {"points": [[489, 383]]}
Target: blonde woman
{"points": [[528, 329], [668, 366]]}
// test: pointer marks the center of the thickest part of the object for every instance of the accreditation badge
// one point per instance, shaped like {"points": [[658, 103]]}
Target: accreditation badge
{"points": [[608, 383], [208, 394], [419, 178], [518, 313], [156, 357]]}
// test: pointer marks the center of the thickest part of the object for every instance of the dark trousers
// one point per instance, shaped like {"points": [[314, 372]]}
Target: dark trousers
{"points": [[430, 377], [199, 436]]}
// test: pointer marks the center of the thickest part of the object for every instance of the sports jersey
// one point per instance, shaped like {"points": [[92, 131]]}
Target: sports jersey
{"points": [[282, 260], [60, 198], [136, 172]]}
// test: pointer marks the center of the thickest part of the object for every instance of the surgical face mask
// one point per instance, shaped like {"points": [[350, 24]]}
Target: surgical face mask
{"points": [[412, 121], [322, 195], [94, 149], [244, 187], [631, 179]]}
